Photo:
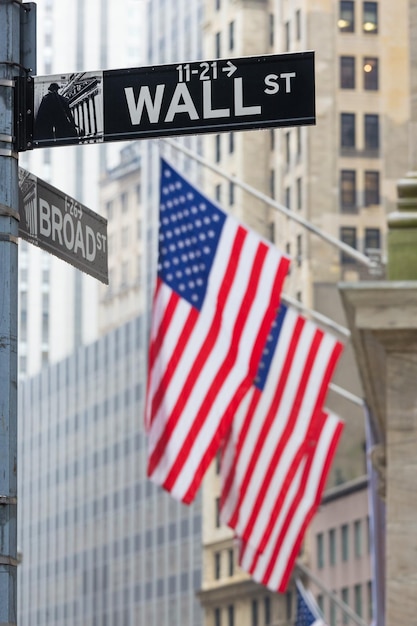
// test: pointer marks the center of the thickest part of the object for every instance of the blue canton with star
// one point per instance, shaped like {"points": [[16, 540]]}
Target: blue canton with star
{"points": [[189, 233]]}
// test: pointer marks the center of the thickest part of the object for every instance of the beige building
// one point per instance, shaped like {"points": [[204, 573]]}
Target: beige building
{"points": [[228, 595], [121, 198], [341, 175], [339, 551]]}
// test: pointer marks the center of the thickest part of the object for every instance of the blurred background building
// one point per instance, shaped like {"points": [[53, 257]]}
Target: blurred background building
{"points": [[340, 174], [100, 544], [58, 306]]}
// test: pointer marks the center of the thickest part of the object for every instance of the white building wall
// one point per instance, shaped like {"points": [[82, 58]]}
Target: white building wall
{"points": [[73, 36]]}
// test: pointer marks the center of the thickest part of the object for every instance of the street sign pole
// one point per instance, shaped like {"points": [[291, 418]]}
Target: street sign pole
{"points": [[10, 13]]}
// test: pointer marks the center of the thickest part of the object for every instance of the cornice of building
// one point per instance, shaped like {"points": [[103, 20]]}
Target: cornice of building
{"points": [[345, 489]]}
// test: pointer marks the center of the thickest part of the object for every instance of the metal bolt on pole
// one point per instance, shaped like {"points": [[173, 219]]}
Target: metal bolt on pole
{"points": [[9, 60]]}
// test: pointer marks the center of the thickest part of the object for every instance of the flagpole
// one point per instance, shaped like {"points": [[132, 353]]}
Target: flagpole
{"points": [[342, 330], [359, 256], [347, 394], [344, 607]]}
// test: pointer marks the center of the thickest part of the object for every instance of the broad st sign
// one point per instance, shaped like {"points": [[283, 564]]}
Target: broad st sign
{"points": [[59, 224], [186, 98]]}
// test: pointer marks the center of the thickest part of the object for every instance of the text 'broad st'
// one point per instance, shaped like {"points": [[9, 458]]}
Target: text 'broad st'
{"points": [[59, 224]]}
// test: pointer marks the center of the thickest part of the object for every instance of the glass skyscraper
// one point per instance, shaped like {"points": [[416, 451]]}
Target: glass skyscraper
{"points": [[99, 543]]}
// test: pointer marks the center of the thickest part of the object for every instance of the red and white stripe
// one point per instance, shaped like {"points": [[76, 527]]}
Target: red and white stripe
{"points": [[274, 565], [202, 362], [267, 439]]}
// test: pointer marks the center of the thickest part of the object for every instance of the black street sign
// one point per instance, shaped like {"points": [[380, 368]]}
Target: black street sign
{"points": [[186, 98], [59, 224]]}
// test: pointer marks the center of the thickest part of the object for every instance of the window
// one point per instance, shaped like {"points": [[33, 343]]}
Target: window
{"points": [[109, 209], [370, 74], [267, 610], [298, 24], [347, 72], [217, 45], [272, 184], [371, 188], [218, 192], [231, 192], [231, 615], [346, 22], [320, 602], [272, 139], [217, 148], [231, 35], [217, 617], [218, 462], [345, 599], [371, 131], [370, 600], [347, 130], [217, 565], [288, 197], [357, 531], [299, 188], [370, 18], [348, 236], [372, 239], [320, 550], [217, 5], [287, 148], [288, 605], [217, 505], [271, 29], [287, 35], [357, 590], [333, 613], [299, 250], [348, 191], [332, 546], [254, 613], [231, 562], [271, 231], [298, 132], [124, 202], [231, 142]]}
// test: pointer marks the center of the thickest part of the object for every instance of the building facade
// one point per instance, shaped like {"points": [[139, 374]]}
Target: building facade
{"points": [[58, 306], [340, 175], [121, 190], [340, 551], [99, 543]]}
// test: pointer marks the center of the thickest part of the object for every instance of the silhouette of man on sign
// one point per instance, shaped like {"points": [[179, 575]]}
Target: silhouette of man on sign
{"points": [[54, 119]]}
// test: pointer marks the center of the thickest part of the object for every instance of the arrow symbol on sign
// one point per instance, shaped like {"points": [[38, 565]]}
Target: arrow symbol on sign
{"points": [[230, 69]]}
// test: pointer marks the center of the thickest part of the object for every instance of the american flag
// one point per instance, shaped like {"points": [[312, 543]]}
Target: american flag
{"points": [[308, 613], [218, 289], [274, 565], [269, 435]]}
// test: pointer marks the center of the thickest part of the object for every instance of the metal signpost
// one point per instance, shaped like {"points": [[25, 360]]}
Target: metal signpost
{"points": [[92, 107]]}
